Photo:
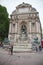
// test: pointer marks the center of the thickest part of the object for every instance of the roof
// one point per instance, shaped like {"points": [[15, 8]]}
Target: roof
{"points": [[23, 5]]}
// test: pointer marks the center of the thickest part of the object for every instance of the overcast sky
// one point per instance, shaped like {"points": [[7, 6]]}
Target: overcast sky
{"points": [[11, 5]]}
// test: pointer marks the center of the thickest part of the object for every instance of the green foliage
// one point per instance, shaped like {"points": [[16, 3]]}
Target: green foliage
{"points": [[4, 23]]}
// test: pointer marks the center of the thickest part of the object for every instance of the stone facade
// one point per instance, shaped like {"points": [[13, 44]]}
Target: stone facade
{"points": [[25, 25]]}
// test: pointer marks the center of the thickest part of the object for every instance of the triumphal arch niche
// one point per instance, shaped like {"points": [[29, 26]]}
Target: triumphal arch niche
{"points": [[24, 26]]}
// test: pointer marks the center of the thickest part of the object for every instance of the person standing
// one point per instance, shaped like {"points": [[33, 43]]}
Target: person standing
{"points": [[11, 49], [40, 48]]}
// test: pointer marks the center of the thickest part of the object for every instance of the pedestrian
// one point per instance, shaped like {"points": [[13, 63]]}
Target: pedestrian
{"points": [[40, 48], [36, 49], [11, 49]]}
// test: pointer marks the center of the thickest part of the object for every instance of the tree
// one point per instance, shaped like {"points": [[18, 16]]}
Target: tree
{"points": [[4, 23]]}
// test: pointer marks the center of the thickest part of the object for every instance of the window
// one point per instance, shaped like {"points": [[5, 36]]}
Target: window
{"points": [[33, 27], [33, 24], [13, 24], [13, 17]]}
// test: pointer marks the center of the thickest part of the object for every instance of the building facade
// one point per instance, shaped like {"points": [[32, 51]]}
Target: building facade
{"points": [[24, 26]]}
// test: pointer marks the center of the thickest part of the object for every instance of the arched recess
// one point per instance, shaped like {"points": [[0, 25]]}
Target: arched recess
{"points": [[23, 30]]}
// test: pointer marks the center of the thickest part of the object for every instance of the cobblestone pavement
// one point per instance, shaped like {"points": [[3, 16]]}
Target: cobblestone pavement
{"points": [[20, 58]]}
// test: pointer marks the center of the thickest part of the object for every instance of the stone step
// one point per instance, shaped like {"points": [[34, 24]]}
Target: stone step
{"points": [[22, 47], [16, 49]]}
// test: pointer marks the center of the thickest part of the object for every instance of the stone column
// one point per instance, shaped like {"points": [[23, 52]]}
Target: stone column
{"points": [[16, 31], [30, 27], [16, 27], [30, 30], [38, 27], [10, 28]]}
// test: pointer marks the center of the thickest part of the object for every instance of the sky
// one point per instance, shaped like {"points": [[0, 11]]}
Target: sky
{"points": [[11, 6]]}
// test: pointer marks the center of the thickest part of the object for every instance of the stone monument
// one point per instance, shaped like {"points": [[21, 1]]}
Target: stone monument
{"points": [[24, 26]]}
